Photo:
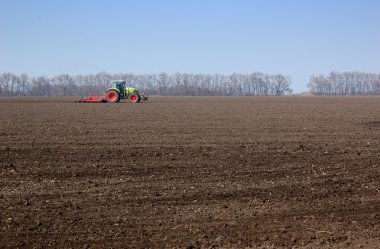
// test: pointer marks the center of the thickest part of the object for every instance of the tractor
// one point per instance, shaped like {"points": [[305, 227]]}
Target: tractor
{"points": [[120, 90]]}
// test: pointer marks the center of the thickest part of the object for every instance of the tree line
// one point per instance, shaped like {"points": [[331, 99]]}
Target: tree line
{"points": [[185, 84], [178, 84], [345, 83]]}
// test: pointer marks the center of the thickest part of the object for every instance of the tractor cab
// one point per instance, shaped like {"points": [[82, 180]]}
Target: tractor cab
{"points": [[120, 85]]}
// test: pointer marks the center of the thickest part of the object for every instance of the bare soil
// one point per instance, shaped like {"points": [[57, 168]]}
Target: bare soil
{"points": [[190, 172]]}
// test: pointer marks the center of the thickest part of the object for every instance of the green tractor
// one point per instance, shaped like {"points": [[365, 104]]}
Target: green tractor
{"points": [[120, 90]]}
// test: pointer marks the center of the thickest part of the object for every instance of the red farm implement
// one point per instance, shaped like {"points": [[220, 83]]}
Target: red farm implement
{"points": [[92, 99]]}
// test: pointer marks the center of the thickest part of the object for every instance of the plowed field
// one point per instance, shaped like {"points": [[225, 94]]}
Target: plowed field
{"points": [[190, 172]]}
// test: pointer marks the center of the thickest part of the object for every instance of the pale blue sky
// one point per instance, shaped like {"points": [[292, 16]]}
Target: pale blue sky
{"points": [[293, 37]]}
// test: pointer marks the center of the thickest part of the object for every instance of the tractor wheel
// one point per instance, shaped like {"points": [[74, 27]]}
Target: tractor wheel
{"points": [[134, 98], [112, 96]]}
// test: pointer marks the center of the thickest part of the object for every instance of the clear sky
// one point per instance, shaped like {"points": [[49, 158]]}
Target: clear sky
{"points": [[293, 37]]}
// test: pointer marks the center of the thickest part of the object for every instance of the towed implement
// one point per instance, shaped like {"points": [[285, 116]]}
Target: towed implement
{"points": [[114, 94], [92, 99]]}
